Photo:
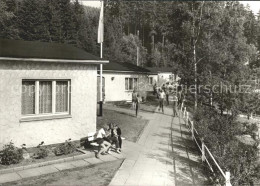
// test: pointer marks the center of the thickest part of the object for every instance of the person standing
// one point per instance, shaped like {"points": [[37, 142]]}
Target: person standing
{"points": [[163, 87], [161, 99], [167, 92], [118, 130], [175, 105], [134, 99], [137, 105], [154, 89]]}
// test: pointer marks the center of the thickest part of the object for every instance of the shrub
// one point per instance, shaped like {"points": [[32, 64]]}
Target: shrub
{"points": [[41, 152], [219, 133], [11, 154], [65, 148]]}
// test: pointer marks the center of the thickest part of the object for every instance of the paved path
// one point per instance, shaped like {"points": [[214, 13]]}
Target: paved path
{"points": [[164, 155]]}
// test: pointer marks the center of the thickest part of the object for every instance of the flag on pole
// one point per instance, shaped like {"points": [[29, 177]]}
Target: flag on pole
{"points": [[101, 24]]}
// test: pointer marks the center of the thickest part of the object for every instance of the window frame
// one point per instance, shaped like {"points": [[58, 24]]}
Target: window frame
{"points": [[127, 80], [150, 80], [53, 114]]}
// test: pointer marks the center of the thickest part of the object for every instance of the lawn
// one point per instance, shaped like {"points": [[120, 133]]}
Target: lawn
{"points": [[100, 174], [131, 126]]}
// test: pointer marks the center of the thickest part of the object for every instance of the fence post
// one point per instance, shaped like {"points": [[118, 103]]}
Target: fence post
{"points": [[184, 112], [203, 149], [227, 177], [181, 105], [187, 117]]}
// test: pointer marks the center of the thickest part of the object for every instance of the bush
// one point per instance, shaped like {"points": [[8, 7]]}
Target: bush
{"points": [[41, 152], [65, 148], [219, 133], [11, 154]]}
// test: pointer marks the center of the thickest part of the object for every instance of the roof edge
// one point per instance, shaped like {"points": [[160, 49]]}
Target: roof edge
{"points": [[150, 73], [56, 60]]}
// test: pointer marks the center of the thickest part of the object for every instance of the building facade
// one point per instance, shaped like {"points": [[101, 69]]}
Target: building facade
{"points": [[120, 80], [46, 98]]}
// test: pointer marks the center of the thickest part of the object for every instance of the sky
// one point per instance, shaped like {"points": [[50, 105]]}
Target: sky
{"points": [[91, 3], [254, 5]]}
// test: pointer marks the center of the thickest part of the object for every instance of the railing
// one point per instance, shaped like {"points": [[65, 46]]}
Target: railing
{"points": [[203, 148]]}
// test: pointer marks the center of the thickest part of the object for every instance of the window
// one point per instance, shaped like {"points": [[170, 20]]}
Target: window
{"points": [[28, 97], [45, 97], [61, 96], [150, 80], [131, 83]]}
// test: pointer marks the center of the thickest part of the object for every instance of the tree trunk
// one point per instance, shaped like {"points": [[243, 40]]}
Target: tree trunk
{"points": [[195, 76], [194, 60], [143, 35]]}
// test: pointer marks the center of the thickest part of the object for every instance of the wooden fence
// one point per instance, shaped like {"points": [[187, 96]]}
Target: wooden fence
{"points": [[205, 152]]}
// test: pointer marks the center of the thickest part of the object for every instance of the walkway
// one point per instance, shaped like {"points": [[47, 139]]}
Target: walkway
{"points": [[164, 155]]}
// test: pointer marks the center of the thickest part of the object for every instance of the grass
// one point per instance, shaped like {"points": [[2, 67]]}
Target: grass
{"points": [[131, 126], [100, 174]]}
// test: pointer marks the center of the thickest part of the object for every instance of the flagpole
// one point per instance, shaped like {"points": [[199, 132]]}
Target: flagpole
{"points": [[101, 82], [100, 40]]}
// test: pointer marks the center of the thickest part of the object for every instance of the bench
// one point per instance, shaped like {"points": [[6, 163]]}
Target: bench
{"points": [[89, 140]]}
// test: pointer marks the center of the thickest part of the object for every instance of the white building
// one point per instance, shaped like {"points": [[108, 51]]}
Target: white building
{"points": [[163, 75], [120, 79], [47, 93]]}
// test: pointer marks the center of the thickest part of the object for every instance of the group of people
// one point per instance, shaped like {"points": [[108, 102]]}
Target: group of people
{"points": [[105, 138], [163, 93]]}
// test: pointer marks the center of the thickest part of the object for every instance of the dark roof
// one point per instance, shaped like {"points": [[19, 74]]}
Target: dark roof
{"points": [[124, 67], [160, 69], [42, 50]]}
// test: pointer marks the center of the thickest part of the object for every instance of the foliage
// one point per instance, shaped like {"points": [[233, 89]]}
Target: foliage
{"points": [[41, 152], [51, 21], [7, 19], [11, 154], [65, 148], [219, 133]]}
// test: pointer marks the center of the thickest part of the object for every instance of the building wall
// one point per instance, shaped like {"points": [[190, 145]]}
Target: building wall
{"points": [[164, 77], [83, 103], [155, 78], [115, 86]]}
